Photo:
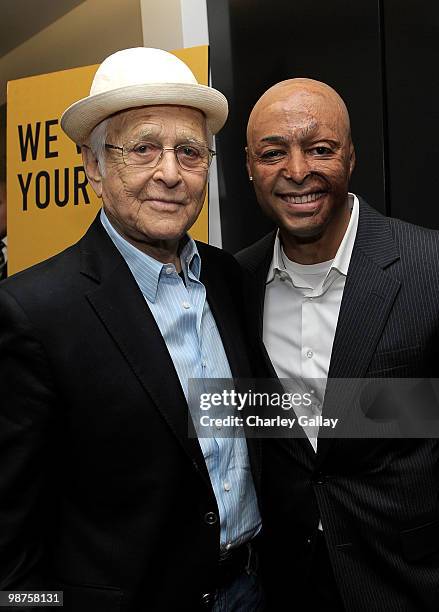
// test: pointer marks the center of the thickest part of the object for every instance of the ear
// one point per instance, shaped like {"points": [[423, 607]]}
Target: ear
{"points": [[352, 160], [92, 170]]}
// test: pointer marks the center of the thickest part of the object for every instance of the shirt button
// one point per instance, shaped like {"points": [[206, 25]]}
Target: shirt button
{"points": [[218, 426], [227, 486], [169, 270], [309, 354], [228, 546], [186, 305], [210, 518], [203, 364]]}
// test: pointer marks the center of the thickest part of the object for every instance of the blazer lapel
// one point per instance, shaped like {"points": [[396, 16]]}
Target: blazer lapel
{"points": [[258, 267], [368, 297], [255, 262], [223, 310], [119, 303]]}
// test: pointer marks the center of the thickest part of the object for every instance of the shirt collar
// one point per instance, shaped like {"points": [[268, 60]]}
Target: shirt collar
{"points": [[343, 256], [146, 270]]}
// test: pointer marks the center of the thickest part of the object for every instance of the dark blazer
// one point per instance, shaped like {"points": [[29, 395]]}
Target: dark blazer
{"points": [[102, 491], [378, 499]]}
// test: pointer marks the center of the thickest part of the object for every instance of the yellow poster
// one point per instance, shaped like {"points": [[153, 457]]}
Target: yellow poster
{"points": [[50, 204]]}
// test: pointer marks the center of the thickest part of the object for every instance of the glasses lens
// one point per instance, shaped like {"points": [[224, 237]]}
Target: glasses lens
{"points": [[141, 153], [193, 157]]}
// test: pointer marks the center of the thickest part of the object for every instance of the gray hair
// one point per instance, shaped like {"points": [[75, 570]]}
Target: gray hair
{"points": [[96, 142]]}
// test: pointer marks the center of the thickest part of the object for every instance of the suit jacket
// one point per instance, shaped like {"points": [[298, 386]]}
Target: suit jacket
{"points": [[103, 493], [378, 500]]}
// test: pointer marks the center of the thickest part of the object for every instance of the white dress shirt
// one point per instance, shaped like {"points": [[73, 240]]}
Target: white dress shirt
{"points": [[302, 303]]}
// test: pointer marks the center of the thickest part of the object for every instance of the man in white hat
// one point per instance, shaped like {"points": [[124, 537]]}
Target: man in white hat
{"points": [[104, 495]]}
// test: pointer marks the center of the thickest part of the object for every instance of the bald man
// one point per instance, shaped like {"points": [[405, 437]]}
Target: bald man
{"points": [[341, 292]]}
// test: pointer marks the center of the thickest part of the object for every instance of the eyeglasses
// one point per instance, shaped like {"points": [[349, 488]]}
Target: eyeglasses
{"points": [[191, 157]]}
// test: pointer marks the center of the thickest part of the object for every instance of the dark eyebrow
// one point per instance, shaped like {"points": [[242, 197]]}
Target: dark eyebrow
{"points": [[275, 139], [307, 134]]}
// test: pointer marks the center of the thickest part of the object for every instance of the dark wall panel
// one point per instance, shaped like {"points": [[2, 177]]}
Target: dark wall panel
{"points": [[412, 58], [256, 43]]}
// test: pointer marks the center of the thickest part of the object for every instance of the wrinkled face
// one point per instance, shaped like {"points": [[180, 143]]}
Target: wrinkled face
{"points": [[152, 205], [301, 158]]}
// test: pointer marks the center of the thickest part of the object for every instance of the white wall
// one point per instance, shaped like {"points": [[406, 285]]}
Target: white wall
{"points": [[194, 23], [161, 24], [174, 24]]}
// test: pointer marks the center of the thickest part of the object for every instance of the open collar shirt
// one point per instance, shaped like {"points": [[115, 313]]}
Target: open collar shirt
{"points": [[302, 304], [183, 316]]}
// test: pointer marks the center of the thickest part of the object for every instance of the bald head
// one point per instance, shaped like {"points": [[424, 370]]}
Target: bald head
{"points": [[306, 96], [300, 158]]}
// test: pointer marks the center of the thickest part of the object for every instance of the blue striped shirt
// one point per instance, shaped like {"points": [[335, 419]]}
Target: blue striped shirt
{"points": [[186, 323]]}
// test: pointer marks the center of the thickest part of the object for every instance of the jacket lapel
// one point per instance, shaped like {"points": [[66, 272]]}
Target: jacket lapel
{"points": [[229, 327], [256, 262], [120, 305], [368, 297], [224, 312], [258, 266]]}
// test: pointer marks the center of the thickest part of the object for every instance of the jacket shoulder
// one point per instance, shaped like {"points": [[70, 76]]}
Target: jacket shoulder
{"points": [[407, 236], [253, 256], [50, 271], [216, 260], [414, 236]]}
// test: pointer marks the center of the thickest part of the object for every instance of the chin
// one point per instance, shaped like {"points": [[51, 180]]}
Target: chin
{"points": [[304, 231]]}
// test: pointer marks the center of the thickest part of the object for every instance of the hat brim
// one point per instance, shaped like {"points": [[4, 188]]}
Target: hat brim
{"points": [[81, 117]]}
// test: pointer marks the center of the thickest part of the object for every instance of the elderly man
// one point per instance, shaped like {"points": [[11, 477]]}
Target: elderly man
{"points": [[342, 292], [104, 494]]}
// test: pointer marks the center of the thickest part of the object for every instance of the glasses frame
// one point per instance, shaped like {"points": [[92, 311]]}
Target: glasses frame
{"points": [[211, 155]]}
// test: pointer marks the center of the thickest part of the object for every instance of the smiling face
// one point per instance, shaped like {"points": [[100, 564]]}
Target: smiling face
{"points": [[301, 157], [151, 207]]}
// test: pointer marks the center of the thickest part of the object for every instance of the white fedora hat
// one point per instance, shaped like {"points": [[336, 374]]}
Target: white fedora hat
{"points": [[141, 77]]}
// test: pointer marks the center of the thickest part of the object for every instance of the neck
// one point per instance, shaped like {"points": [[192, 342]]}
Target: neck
{"points": [[309, 250], [164, 251]]}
